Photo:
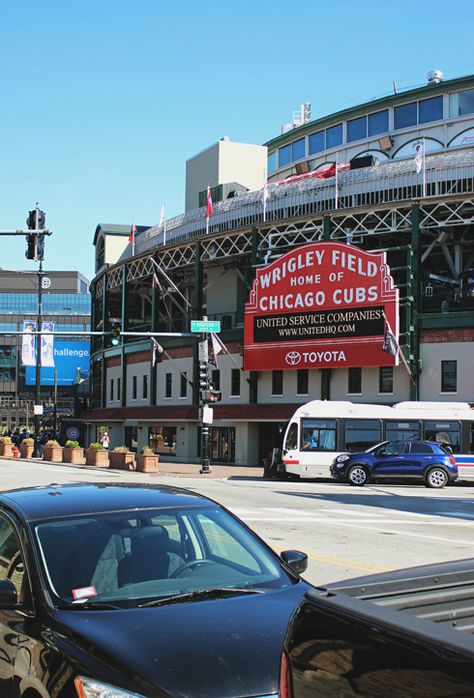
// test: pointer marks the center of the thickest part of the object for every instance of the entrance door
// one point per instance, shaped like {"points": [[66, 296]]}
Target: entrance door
{"points": [[223, 445]]}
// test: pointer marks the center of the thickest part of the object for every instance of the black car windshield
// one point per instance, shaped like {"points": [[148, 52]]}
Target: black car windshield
{"points": [[128, 558]]}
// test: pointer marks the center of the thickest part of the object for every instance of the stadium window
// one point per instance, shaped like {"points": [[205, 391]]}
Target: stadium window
{"points": [[168, 384], [119, 389], [298, 149], [461, 103], [334, 136], [430, 110], [316, 142], [216, 379], [111, 389], [405, 115], [449, 383], [183, 386], [277, 382], [145, 387], [134, 387], [357, 129], [284, 155], [302, 381], [378, 123], [354, 381], [272, 161], [235, 383], [386, 379]]}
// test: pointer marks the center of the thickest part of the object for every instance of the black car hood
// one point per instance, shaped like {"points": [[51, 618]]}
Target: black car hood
{"points": [[229, 647]]}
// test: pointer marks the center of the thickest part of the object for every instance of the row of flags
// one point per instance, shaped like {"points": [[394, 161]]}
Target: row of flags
{"points": [[28, 344]]}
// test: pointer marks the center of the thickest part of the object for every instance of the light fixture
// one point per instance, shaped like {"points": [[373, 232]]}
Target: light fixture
{"points": [[428, 290], [386, 142]]}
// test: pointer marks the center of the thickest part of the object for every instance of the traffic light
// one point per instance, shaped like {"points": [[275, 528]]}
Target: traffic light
{"points": [[31, 220], [31, 246], [115, 333], [41, 220], [215, 395], [40, 248], [203, 376]]}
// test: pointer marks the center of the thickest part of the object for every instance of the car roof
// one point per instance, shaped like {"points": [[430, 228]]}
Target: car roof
{"points": [[39, 503]]}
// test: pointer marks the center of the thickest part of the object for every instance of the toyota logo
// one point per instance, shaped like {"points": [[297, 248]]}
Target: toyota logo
{"points": [[293, 358]]}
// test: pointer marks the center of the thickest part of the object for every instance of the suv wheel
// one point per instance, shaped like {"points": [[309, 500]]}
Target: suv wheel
{"points": [[436, 477], [357, 476]]}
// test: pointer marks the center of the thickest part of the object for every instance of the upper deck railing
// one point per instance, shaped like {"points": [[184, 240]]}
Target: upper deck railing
{"points": [[444, 174]]}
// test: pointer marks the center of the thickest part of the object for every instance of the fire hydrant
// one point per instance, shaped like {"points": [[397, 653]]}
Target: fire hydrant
{"points": [[15, 451]]}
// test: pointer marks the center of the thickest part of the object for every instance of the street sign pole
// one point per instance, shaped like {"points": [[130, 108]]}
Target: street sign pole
{"points": [[204, 389], [37, 416]]}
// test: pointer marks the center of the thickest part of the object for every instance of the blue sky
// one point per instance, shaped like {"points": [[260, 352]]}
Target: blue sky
{"points": [[104, 100]]}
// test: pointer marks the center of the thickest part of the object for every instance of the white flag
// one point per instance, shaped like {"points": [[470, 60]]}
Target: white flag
{"points": [[264, 201], [419, 156], [214, 349], [47, 344], [162, 215], [28, 353]]}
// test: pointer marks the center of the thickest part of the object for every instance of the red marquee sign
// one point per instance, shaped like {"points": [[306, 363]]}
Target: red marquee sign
{"points": [[322, 305]]}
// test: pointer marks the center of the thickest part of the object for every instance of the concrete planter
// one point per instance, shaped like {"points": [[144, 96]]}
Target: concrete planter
{"points": [[123, 461], [6, 450], [53, 453], [100, 458], [147, 462], [26, 451], [73, 455]]}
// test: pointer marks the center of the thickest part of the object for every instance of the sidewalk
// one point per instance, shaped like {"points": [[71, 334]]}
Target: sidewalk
{"points": [[184, 470]]}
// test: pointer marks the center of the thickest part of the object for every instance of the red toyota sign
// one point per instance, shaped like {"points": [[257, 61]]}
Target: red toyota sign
{"points": [[322, 305]]}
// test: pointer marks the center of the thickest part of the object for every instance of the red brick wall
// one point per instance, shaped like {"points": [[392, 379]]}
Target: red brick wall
{"points": [[462, 334]]}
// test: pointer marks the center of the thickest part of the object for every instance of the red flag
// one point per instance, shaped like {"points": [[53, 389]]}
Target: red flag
{"points": [[208, 203], [133, 230]]}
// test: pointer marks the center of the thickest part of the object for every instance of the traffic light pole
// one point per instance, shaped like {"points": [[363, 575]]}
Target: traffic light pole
{"points": [[37, 416], [203, 392]]}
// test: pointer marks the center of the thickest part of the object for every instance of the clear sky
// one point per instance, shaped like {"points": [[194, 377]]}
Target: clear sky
{"points": [[102, 101]]}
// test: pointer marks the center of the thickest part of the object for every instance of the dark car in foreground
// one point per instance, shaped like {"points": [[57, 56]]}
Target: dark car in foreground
{"points": [[126, 591], [424, 461]]}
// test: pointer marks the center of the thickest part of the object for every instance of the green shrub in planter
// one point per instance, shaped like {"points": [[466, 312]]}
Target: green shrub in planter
{"points": [[97, 446], [72, 444]]}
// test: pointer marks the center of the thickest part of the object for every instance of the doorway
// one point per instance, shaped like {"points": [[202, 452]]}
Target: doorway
{"points": [[223, 445]]}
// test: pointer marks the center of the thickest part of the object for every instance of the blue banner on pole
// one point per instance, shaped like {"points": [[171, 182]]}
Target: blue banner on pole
{"points": [[71, 361]]}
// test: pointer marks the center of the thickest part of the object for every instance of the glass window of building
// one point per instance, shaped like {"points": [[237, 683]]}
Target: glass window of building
{"points": [[316, 142], [134, 387], [235, 382], [111, 389], [216, 379], [302, 381], [298, 149], [334, 136], [405, 115], [284, 155], [272, 161], [430, 109], [361, 434], [386, 379], [378, 122], [145, 386], [449, 380], [162, 440], [119, 389], [461, 103], [168, 384], [354, 381], [277, 382], [183, 385], [357, 129]]}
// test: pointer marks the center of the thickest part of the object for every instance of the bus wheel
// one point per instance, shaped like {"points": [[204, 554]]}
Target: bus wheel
{"points": [[357, 476], [436, 477]]}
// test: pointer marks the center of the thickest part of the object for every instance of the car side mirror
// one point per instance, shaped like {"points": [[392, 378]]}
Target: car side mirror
{"points": [[8, 595], [296, 560]]}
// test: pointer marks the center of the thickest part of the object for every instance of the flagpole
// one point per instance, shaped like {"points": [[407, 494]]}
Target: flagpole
{"points": [[265, 193], [133, 236], [336, 191], [424, 169]]}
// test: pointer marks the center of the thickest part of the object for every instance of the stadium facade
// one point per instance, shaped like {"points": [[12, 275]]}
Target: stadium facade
{"points": [[392, 177]]}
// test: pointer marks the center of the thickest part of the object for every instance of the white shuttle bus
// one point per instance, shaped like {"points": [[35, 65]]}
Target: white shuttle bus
{"points": [[321, 430]]}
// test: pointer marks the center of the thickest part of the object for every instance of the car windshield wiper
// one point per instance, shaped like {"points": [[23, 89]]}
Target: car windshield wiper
{"points": [[94, 605], [201, 594]]}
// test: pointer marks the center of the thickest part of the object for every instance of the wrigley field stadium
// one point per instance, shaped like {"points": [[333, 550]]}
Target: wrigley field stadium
{"points": [[338, 258]]}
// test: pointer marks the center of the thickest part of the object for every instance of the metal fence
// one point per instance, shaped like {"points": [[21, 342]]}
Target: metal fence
{"points": [[444, 174]]}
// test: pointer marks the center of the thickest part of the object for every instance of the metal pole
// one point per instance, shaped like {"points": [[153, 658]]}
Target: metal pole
{"points": [[37, 417], [55, 405], [204, 390]]}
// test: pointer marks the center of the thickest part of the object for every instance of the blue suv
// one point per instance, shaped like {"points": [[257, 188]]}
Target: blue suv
{"points": [[429, 462]]}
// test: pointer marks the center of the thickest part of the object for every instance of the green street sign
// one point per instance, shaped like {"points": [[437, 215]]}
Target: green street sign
{"points": [[205, 326]]}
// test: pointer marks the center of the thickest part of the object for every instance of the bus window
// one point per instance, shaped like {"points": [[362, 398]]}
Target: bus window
{"points": [[402, 431], [291, 437], [471, 438], [446, 433], [318, 434], [361, 434]]}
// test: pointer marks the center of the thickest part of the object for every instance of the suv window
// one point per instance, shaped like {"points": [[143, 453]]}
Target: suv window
{"points": [[11, 560], [394, 449], [421, 448]]}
